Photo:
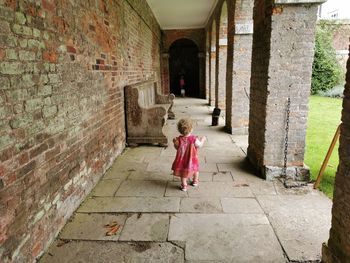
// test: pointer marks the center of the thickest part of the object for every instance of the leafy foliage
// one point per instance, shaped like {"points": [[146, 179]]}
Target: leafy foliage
{"points": [[326, 71]]}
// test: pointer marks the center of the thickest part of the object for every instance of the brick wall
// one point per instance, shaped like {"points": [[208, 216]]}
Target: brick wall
{"points": [[63, 66], [340, 30], [338, 248]]}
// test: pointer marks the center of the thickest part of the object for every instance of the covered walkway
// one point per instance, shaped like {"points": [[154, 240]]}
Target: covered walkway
{"points": [[233, 216]]}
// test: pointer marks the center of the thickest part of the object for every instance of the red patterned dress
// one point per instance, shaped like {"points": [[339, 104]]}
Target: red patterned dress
{"points": [[186, 161]]}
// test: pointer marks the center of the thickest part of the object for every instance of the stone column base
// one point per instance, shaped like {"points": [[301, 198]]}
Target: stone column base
{"points": [[237, 131], [294, 173]]}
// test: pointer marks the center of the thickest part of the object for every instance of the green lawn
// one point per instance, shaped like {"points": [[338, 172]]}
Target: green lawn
{"points": [[323, 120]]}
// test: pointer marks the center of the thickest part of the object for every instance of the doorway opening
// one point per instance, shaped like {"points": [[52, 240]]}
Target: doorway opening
{"points": [[184, 63]]}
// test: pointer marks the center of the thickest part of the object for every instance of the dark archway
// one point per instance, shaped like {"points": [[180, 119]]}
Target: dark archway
{"points": [[184, 61]]}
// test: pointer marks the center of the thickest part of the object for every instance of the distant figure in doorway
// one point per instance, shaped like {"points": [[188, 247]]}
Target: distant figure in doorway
{"points": [[182, 86], [186, 163]]}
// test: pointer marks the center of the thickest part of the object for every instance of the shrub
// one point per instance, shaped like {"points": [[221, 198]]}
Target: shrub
{"points": [[326, 71]]}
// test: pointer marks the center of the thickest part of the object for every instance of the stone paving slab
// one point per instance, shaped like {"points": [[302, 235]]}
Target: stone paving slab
{"points": [[212, 158], [144, 175], [261, 187], [146, 227], [91, 227], [201, 205], [169, 151], [130, 204], [302, 223], [142, 149], [219, 237], [220, 189], [129, 166], [206, 176], [221, 151], [114, 172], [157, 167], [222, 177], [106, 187], [241, 141], [245, 177], [135, 188], [173, 190], [241, 206], [116, 252], [208, 167]]}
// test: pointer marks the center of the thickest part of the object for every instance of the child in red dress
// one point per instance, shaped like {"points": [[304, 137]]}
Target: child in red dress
{"points": [[186, 163]]}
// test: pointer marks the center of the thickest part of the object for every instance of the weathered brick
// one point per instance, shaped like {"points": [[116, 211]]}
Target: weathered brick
{"points": [[33, 104], [36, 33], [22, 30], [6, 154], [26, 169], [4, 27], [4, 83], [23, 43], [21, 121], [45, 90], [26, 55], [8, 40], [5, 140], [35, 44], [6, 13], [11, 54], [17, 95], [49, 111], [11, 68], [54, 78], [20, 18], [38, 150], [5, 111]]}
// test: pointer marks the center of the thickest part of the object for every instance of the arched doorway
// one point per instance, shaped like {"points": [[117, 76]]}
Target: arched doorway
{"points": [[184, 62]]}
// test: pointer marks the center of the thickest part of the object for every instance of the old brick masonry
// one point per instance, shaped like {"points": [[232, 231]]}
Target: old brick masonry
{"points": [[63, 68]]}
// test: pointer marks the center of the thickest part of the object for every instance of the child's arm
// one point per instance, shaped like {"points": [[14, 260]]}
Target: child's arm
{"points": [[200, 141], [176, 143]]}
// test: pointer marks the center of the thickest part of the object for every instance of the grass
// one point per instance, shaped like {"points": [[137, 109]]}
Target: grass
{"points": [[323, 120]]}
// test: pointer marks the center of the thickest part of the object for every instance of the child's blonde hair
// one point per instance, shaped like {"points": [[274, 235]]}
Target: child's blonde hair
{"points": [[184, 126]]}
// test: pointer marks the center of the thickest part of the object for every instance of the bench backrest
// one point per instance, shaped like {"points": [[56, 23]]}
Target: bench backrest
{"points": [[147, 94]]}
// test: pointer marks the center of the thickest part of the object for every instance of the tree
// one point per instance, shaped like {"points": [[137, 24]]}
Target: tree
{"points": [[326, 71]]}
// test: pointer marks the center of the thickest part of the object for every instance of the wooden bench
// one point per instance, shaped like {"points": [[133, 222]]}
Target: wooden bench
{"points": [[146, 113]]}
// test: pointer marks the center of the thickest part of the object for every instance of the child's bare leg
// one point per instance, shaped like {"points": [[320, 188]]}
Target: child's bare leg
{"points": [[183, 184], [195, 178]]}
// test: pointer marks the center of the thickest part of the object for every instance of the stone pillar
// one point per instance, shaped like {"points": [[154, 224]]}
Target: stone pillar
{"points": [[212, 76], [239, 68], [220, 94], [337, 250], [201, 61], [165, 73], [283, 50]]}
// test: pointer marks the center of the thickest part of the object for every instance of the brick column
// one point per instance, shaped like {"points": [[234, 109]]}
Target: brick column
{"points": [[338, 248], [207, 75], [201, 61], [165, 73], [220, 93], [239, 67], [212, 76], [283, 50]]}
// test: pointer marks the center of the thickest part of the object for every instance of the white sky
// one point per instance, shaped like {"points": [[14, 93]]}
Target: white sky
{"points": [[342, 5]]}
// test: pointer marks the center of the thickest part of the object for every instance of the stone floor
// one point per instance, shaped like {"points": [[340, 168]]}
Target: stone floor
{"points": [[233, 216]]}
